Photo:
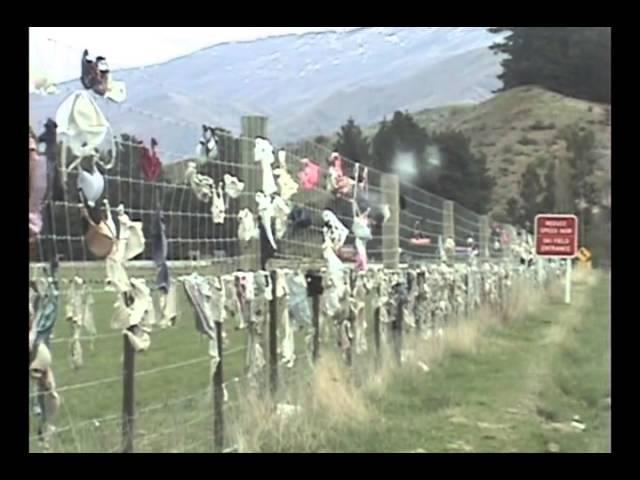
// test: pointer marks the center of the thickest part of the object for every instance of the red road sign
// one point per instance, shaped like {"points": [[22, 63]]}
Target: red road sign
{"points": [[556, 235]]}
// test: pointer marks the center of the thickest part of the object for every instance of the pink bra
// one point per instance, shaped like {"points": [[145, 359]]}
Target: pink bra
{"points": [[310, 175]]}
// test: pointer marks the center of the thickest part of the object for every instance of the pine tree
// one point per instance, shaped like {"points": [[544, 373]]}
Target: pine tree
{"points": [[513, 211], [400, 135], [352, 144], [582, 161], [574, 61], [463, 176], [321, 140], [382, 146], [530, 192]]}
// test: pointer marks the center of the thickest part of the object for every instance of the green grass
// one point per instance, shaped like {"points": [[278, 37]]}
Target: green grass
{"points": [[524, 382], [175, 422], [502, 395]]}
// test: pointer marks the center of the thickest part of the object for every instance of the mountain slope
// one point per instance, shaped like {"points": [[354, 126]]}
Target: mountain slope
{"points": [[520, 126], [466, 77], [299, 81]]}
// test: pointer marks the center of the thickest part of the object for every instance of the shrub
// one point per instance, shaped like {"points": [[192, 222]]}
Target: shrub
{"points": [[526, 140], [540, 125], [540, 161]]}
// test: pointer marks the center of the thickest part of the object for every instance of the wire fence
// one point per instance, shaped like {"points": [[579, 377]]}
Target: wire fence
{"points": [[173, 398]]}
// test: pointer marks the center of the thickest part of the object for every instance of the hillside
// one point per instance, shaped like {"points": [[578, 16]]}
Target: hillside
{"points": [[467, 77], [517, 127], [512, 129], [307, 84]]}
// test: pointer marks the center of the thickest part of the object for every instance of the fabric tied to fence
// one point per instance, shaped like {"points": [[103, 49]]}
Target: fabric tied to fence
{"points": [[288, 339], [165, 306], [135, 315], [37, 187], [79, 313], [201, 185], [45, 311], [257, 294], [263, 154], [299, 309], [359, 296], [288, 186], [200, 294]]}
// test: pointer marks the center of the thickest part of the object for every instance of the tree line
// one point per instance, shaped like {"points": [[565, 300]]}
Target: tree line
{"points": [[567, 187], [573, 61], [441, 163]]}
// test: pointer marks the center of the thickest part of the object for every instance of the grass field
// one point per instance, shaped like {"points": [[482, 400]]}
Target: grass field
{"points": [[173, 383], [506, 389], [515, 388]]}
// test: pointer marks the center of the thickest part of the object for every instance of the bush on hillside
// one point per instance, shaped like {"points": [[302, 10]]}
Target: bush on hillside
{"points": [[526, 141], [539, 125]]}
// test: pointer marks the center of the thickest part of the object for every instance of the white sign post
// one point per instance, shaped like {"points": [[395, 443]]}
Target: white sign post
{"points": [[567, 284], [556, 236]]}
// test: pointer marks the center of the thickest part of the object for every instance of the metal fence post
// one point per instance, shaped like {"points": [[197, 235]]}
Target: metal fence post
{"points": [[314, 290], [218, 395], [128, 395], [376, 334], [273, 335], [399, 322], [315, 305]]}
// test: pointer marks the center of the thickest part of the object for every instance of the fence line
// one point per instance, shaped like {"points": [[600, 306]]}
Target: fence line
{"points": [[191, 228]]}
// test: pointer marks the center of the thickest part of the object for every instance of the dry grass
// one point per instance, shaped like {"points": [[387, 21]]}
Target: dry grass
{"points": [[523, 300], [584, 276], [465, 335], [334, 392], [328, 400], [336, 397]]}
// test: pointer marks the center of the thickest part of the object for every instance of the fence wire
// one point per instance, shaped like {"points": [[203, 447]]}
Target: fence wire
{"points": [[174, 375]]}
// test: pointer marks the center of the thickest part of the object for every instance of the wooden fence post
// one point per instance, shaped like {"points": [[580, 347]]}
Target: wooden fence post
{"points": [[420, 280], [448, 227], [128, 395], [314, 290], [252, 127], [218, 395], [398, 324], [485, 234], [390, 185], [376, 335], [273, 335], [467, 300], [315, 305], [349, 351]]}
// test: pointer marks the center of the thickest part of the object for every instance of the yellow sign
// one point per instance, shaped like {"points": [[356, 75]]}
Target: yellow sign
{"points": [[584, 255]]}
